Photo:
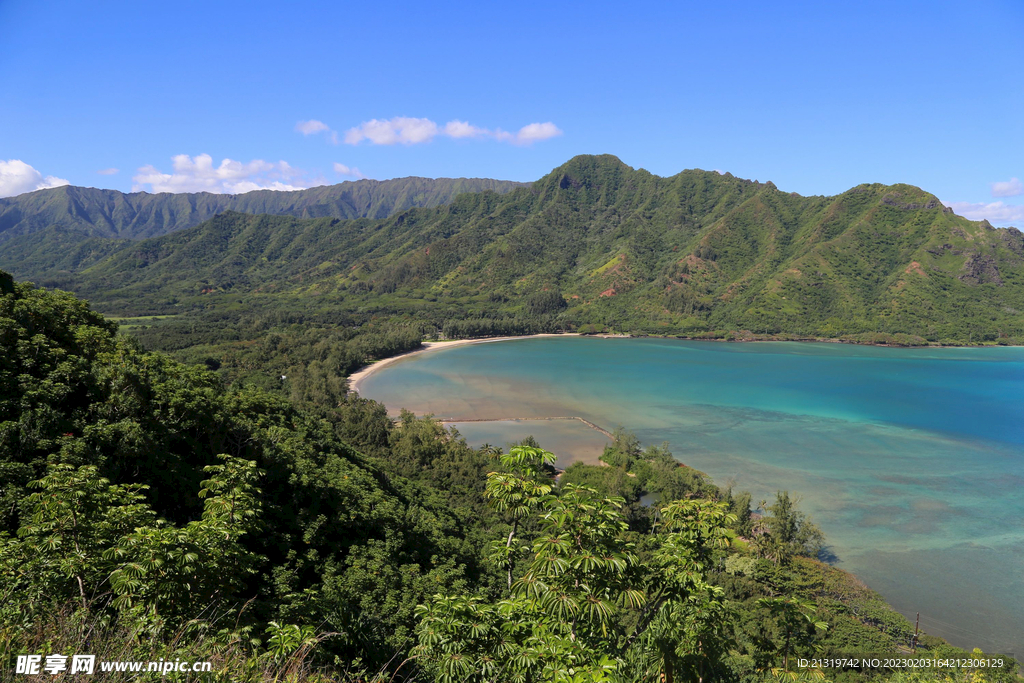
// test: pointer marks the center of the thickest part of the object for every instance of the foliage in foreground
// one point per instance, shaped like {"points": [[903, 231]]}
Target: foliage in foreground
{"points": [[591, 602], [151, 513], [143, 493]]}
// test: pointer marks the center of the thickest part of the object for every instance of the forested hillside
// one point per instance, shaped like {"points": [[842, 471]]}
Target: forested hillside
{"points": [[152, 512], [38, 223], [594, 246]]}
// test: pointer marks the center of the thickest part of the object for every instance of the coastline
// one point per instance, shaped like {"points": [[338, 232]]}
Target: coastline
{"points": [[356, 378], [892, 593], [752, 338]]}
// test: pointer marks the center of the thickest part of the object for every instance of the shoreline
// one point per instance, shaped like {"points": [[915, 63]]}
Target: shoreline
{"points": [[817, 340], [891, 595], [358, 376]]}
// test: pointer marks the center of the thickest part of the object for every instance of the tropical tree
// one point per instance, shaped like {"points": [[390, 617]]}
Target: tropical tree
{"points": [[785, 531], [682, 631], [561, 622], [585, 607], [517, 490], [168, 571], [72, 516], [794, 623]]}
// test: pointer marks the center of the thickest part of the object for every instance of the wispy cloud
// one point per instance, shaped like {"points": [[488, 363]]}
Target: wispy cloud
{"points": [[17, 177], [997, 213], [108, 171], [463, 129], [1011, 188], [198, 174], [350, 171], [312, 127], [404, 130]]}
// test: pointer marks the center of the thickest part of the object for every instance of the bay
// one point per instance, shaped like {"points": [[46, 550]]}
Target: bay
{"points": [[911, 460]]}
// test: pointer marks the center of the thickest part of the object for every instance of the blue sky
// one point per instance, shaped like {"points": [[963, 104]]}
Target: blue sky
{"points": [[816, 97]]}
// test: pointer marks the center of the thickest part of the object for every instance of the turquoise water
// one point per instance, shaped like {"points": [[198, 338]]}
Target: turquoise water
{"points": [[911, 460], [570, 440]]}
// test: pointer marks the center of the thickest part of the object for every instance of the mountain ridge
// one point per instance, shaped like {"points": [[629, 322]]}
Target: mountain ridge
{"points": [[98, 212], [596, 244]]}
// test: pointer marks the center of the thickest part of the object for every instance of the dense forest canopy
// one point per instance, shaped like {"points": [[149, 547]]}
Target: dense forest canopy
{"points": [[153, 509]]}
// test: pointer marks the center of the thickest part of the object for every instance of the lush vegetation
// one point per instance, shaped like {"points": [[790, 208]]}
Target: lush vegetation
{"points": [[137, 486], [64, 227], [286, 529], [594, 246]]}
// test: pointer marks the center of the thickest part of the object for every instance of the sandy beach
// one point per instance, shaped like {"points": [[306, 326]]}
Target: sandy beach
{"points": [[356, 378]]}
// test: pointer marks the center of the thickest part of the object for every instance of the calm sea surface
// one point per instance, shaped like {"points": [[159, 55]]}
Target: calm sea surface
{"points": [[911, 460]]}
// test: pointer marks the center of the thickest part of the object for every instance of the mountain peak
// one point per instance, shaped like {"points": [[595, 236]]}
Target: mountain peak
{"points": [[586, 172], [591, 165]]}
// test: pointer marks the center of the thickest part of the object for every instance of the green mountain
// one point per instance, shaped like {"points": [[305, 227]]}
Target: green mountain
{"points": [[89, 212], [598, 245]]}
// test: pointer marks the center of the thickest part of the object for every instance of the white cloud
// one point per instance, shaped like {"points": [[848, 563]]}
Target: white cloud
{"points": [[401, 129], [17, 177], [462, 129], [534, 132], [350, 171], [1011, 188], [413, 131], [310, 127], [996, 213], [313, 127], [198, 174], [108, 171]]}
